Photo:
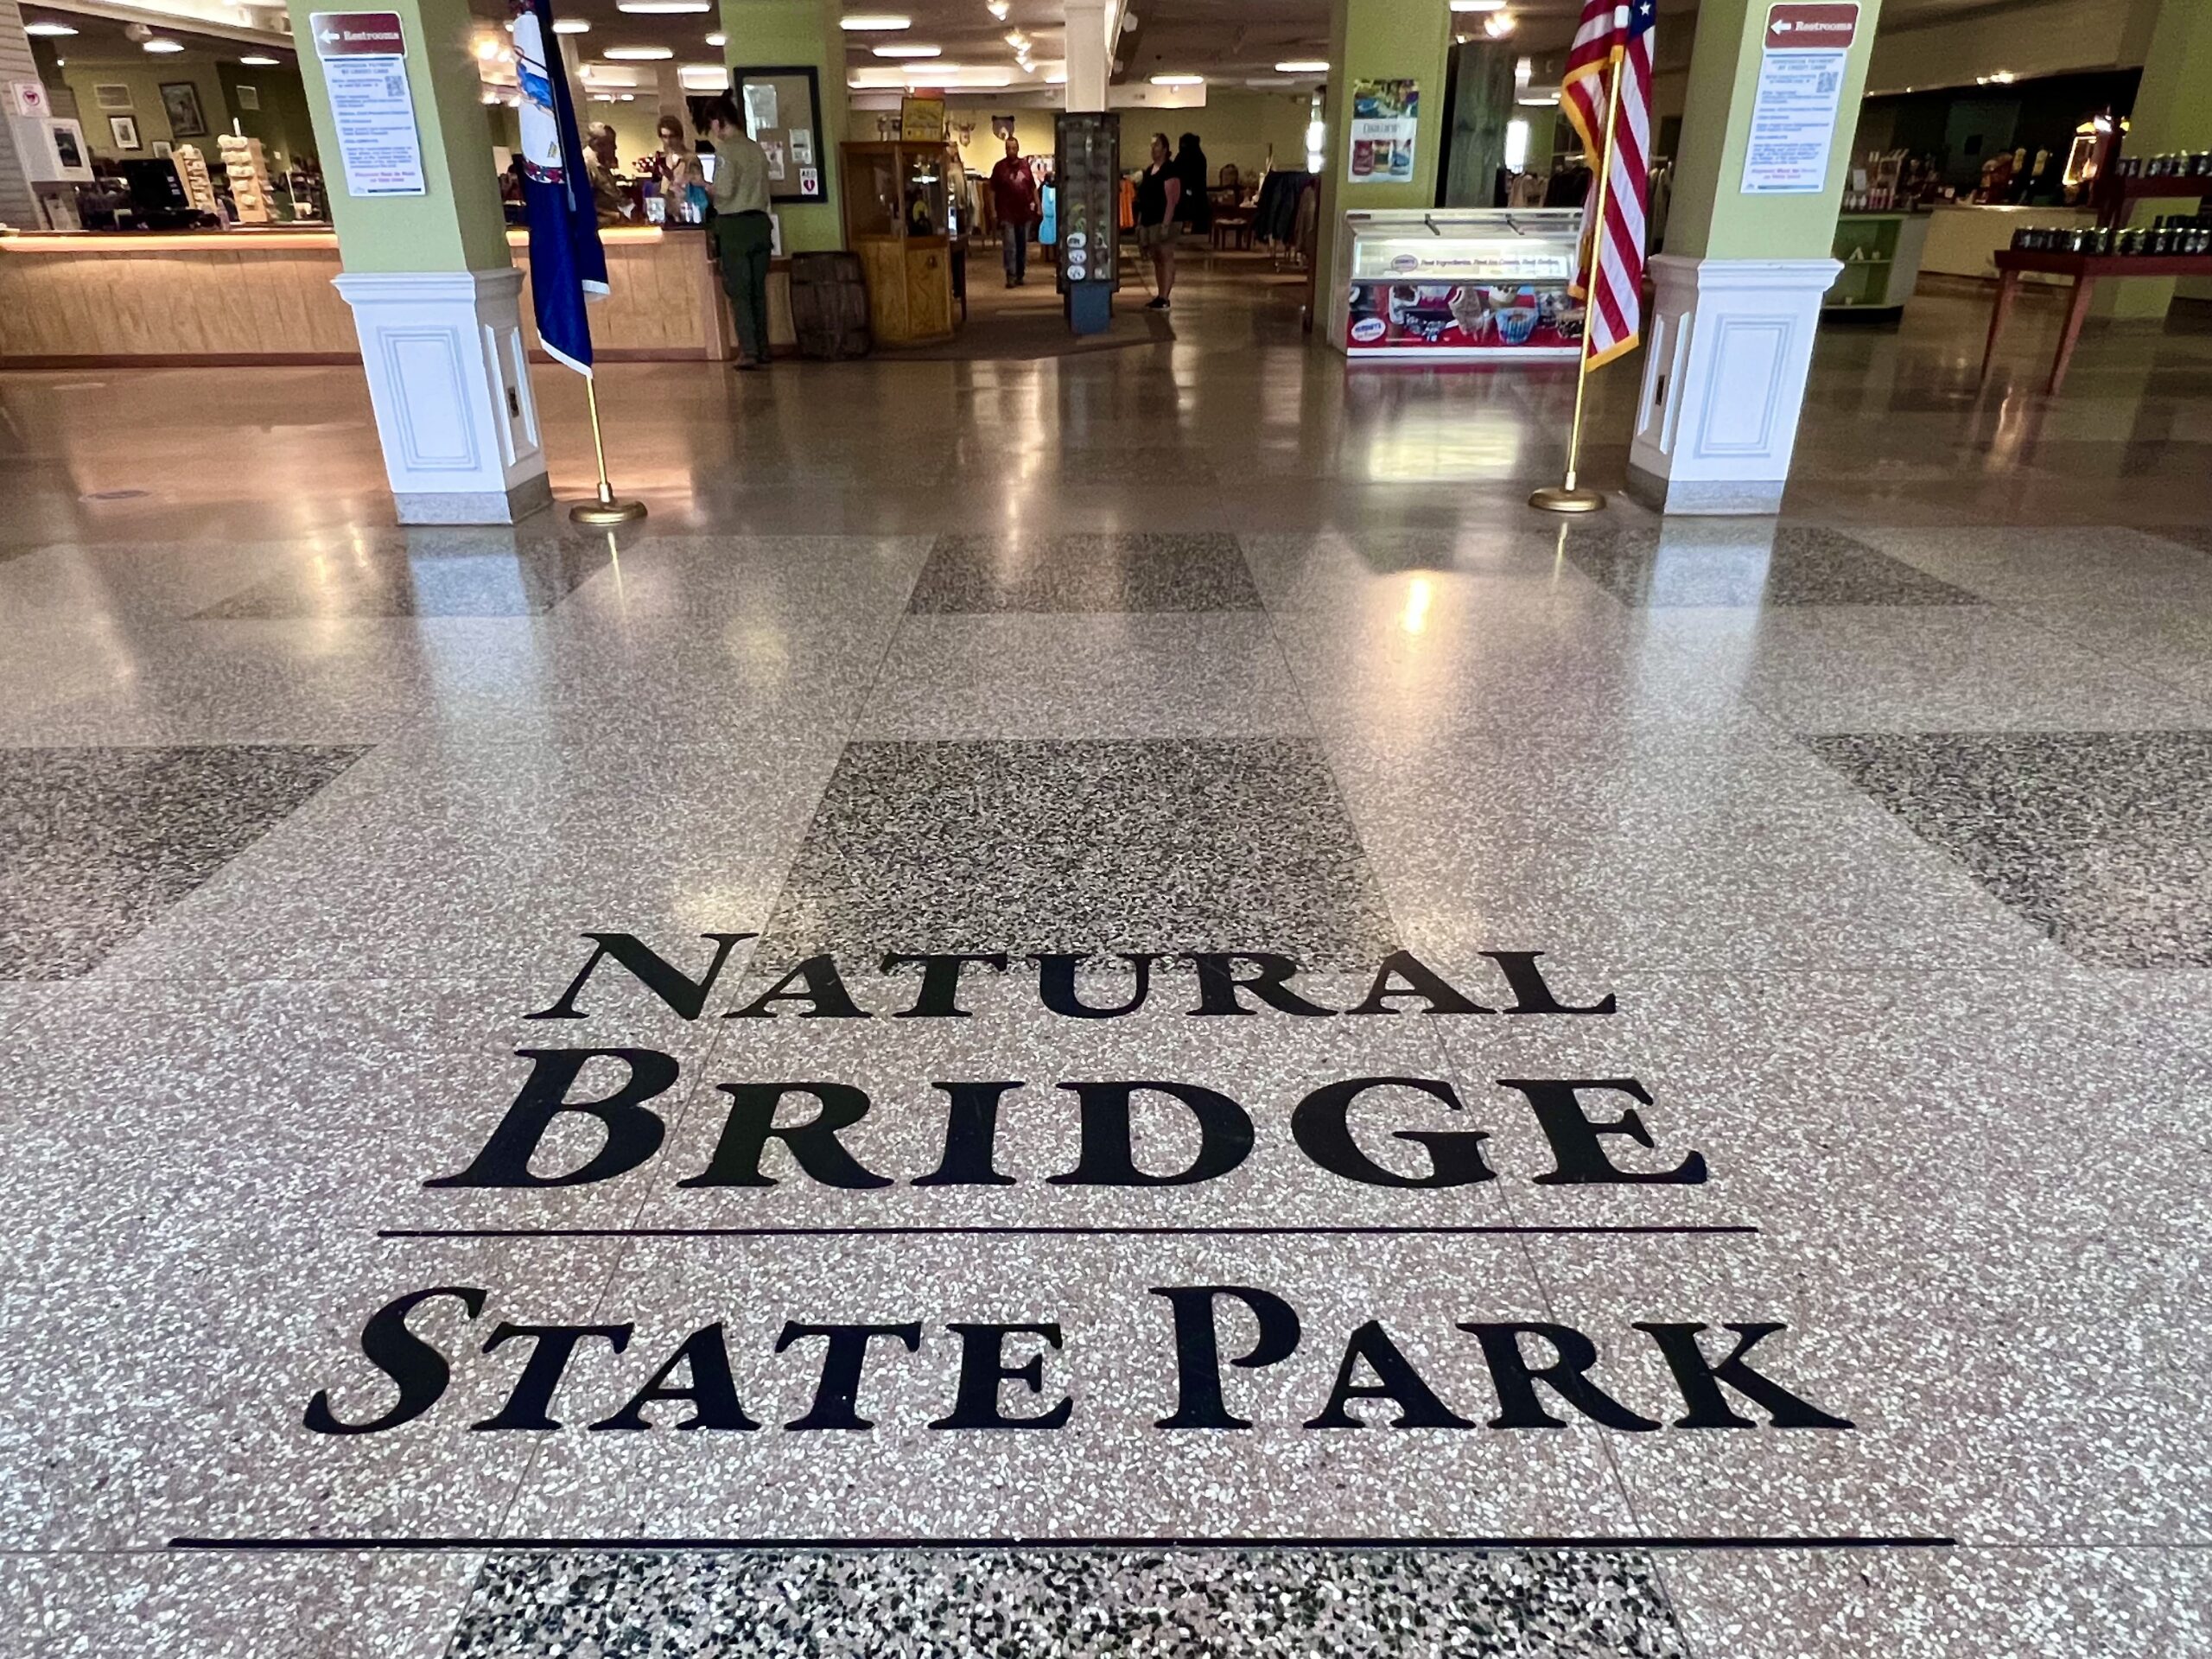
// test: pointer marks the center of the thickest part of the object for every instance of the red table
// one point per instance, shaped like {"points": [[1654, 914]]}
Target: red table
{"points": [[2085, 269]]}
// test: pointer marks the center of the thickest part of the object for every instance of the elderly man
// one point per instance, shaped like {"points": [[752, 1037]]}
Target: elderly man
{"points": [[610, 200]]}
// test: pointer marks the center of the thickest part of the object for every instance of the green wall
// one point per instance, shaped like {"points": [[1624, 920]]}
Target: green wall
{"points": [[144, 76], [770, 34], [1381, 39], [457, 224], [1711, 218], [283, 124]]}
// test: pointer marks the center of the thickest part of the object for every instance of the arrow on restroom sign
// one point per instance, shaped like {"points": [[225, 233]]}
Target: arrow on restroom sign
{"points": [[357, 35], [1820, 26]]}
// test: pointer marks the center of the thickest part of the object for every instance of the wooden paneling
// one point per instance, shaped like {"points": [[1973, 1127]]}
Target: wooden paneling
{"points": [[239, 297]]}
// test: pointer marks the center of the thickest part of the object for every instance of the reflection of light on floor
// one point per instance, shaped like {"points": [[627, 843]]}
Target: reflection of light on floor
{"points": [[1418, 595]]}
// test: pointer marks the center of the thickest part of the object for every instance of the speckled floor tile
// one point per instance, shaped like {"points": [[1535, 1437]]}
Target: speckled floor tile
{"points": [[232, 1606], [784, 578], [96, 843], [1031, 1603], [190, 1205], [1920, 667], [1656, 848], [2025, 1604], [2086, 565], [1323, 569], [1166, 844], [2097, 837], [1748, 562], [457, 573], [1127, 675], [443, 857], [1135, 571]]}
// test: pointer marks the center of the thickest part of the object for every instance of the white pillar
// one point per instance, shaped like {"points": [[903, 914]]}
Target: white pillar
{"points": [[1090, 53], [1730, 342], [450, 383], [17, 205]]}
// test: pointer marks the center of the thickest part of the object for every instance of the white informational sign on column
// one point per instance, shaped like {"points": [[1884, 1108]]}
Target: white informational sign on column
{"points": [[1802, 64], [365, 66]]}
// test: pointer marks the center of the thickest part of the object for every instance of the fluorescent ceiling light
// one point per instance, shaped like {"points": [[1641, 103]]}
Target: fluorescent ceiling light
{"points": [[164, 46], [571, 26], [998, 8], [1304, 67], [718, 39], [904, 50], [47, 29], [1179, 80], [662, 8], [874, 22], [703, 76], [262, 63], [638, 54]]}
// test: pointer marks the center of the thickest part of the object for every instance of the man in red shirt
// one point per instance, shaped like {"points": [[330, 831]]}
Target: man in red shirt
{"points": [[1014, 195]]}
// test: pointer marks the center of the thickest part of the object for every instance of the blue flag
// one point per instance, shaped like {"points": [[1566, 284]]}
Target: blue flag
{"points": [[567, 264]]}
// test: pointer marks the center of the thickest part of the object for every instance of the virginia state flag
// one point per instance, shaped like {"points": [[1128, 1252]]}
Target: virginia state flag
{"points": [[567, 264]]}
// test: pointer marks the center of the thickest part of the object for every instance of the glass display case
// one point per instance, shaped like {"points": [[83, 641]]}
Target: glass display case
{"points": [[897, 202], [1458, 283]]}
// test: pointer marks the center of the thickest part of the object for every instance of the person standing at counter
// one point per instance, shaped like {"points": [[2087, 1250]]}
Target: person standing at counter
{"points": [[1014, 197], [742, 235], [677, 166]]}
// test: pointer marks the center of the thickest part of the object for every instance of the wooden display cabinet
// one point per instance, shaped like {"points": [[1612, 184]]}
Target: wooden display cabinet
{"points": [[896, 203]]}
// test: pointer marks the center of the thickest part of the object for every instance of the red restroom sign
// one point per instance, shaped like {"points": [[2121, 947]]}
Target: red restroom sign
{"points": [[358, 35], [1816, 25]]}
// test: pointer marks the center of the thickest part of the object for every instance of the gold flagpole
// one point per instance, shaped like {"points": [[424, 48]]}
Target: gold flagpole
{"points": [[607, 510], [1571, 498]]}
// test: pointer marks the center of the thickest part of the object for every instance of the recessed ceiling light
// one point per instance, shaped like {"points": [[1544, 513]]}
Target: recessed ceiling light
{"points": [[998, 8], [1478, 6], [663, 8], [637, 54], [904, 50], [164, 46], [47, 29], [874, 22], [1179, 80], [262, 63], [1499, 24], [718, 39], [1304, 67], [571, 26]]}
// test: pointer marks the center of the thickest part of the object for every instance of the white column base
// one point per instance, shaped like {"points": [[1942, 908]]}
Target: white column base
{"points": [[450, 382], [1725, 358]]}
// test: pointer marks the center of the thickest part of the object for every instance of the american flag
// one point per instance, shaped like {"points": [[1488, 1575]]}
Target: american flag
{"points": [[1613, 38]]}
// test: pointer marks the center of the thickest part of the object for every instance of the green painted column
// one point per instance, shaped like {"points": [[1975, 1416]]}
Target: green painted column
{"points": [[1729, 332], [437, 298], [1710, 217], [457, 224], [1380, 39], [2173, 110], [784, 33]]}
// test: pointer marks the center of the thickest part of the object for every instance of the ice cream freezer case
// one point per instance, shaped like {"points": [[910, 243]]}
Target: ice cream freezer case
{"points": [[1457, 284]]}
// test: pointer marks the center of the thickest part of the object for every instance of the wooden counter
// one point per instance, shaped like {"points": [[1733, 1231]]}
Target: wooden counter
{"points": [[87, 299]]}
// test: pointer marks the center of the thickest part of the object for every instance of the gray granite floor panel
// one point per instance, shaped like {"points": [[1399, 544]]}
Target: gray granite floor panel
{"points": [[1748, 562], [2097, 837], [96, 843], [464, 573], [1154, 570], [1146, 845], [1038, 1602]]}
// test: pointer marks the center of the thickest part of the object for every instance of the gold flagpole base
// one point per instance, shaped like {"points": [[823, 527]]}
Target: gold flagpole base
{"points": [[1551, 499], [606, 510]]}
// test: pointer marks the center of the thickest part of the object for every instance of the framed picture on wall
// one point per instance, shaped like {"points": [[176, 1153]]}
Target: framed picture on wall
{"points": [[163, 149], [181, 103], [782, 108], [112, 95], [124, 130], [248, 97]]}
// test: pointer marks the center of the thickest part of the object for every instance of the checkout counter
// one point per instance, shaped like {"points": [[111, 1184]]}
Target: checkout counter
{"points": [[264, 295]]}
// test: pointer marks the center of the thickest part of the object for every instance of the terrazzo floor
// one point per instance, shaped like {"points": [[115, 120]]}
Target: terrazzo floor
{"points": [[1105, 1005]]}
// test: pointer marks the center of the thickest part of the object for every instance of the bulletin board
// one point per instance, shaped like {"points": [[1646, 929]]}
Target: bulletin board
{"points": [[782, 107]]}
